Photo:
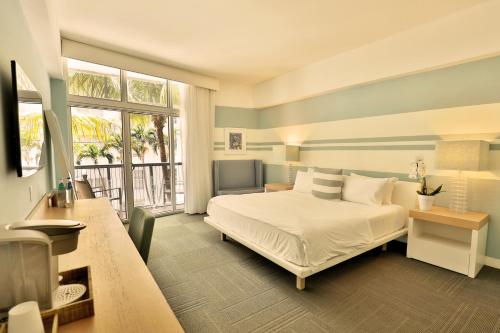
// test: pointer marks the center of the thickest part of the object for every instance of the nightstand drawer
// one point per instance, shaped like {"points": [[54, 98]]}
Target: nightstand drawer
{"points": [[443, 252]]}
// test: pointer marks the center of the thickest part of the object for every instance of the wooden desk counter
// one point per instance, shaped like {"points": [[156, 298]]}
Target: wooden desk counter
{"points": [[126, 297]]}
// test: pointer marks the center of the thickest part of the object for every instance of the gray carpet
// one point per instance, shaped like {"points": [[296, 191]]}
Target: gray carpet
{"points": [[215, 286]]}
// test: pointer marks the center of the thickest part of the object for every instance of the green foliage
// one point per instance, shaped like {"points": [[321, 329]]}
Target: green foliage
{"points": [[425, 190], [93, 151], [94, 85], [140, 139], [87, 127], [31, 127], [147, 92]]}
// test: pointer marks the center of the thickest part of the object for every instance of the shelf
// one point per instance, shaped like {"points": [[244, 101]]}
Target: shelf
{"points": [[441, 251], [444, 242]]}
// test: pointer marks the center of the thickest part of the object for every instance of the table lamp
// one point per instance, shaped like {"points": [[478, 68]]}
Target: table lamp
{"points": [[287, 153], [471, 155], [292, 154]]}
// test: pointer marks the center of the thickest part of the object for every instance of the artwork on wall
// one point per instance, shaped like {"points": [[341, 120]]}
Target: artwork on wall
{"points": [[235, 140]]}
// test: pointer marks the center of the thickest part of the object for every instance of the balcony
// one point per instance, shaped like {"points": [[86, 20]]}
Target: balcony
{"points": [[151, 189]]}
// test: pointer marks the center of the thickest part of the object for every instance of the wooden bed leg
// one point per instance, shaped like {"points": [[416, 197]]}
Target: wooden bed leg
{"points": [[384, 247], [300, 283], [223, 237]]}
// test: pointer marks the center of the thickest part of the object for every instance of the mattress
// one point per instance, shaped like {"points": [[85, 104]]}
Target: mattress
{"points": [[301, 228]]}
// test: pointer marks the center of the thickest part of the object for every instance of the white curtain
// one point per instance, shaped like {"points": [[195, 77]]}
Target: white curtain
{"points": [[197, 127]]}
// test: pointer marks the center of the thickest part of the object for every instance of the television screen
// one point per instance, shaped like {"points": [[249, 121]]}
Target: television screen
{"points": [[28, 124]]}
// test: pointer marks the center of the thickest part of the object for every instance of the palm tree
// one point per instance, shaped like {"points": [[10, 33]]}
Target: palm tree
{"points": [[31, 135], [93, 151], [149, 92], [140, 139], [154, 92], [95, 128], [159, 123], [94, 85]]}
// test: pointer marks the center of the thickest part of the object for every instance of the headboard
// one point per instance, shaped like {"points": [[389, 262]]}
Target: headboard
{"points": [[293, 171], [405, 194]]}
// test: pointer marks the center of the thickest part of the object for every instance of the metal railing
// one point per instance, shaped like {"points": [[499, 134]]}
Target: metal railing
{"points": [[151, 184]]}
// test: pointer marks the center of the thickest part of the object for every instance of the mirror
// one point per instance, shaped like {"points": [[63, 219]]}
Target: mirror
{"points": [[28, 124]]}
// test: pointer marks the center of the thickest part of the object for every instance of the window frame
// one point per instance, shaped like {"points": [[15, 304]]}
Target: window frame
{"points": [[122, 104], [126, 108]]}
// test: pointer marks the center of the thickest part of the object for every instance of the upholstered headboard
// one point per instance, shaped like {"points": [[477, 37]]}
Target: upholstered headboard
{"points": [[293, 171], [404, 194]]}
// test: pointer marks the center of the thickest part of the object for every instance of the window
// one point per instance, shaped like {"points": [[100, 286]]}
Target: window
{"points": [[127, 142], [92, 80], [146, 89]]}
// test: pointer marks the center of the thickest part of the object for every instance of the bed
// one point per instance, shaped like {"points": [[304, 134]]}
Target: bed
{"points": [[304, 234]]}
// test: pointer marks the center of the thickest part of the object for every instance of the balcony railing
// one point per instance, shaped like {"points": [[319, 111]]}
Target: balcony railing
{"points": [[151, 185]]}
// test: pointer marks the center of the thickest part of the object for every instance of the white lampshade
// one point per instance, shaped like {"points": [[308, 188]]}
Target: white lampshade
{"points": [[462, 155], [292, 153], [286, 153]]}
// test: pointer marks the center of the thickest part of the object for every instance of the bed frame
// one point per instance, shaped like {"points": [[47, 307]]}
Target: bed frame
{"points": [[404, 195]]}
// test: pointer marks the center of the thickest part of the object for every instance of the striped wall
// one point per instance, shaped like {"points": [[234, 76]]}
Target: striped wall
{"points": [[379, 128]]}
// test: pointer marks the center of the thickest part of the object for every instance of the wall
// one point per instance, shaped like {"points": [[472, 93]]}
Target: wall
{"points": [[234, 108], [457, 38], [234, 94], [17, 44], [379, 128]]}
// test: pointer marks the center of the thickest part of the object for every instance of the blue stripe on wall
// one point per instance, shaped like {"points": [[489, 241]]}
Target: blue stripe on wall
{"points": [[462, 85], [226, 116], [473, 83]]}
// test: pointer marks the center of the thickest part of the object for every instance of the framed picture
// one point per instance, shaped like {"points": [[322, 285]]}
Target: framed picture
{"points": [[235, 140]]}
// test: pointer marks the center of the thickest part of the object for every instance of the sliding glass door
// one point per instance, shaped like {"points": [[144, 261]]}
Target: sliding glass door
{"points": [[98, 153], [157, 180], [127, 136], [133, 158]]}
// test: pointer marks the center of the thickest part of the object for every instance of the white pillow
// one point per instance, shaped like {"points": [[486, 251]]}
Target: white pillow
{"points": [[364, 190], [303, 181], [389, 187]]}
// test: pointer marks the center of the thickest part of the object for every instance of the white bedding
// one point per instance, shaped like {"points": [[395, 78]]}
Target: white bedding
{"points": [[301, 228]]}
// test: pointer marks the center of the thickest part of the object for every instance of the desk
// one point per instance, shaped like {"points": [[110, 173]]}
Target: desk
{"points": [[126, 297]]}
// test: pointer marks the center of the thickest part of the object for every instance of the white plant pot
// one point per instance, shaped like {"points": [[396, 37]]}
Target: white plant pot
{"points": [[425, 202]]}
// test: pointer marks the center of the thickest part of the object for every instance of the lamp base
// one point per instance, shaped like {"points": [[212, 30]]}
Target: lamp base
{"points": [[458, 202]]}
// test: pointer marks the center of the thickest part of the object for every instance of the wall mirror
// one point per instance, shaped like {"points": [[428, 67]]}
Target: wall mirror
{"points": [[28, 124]]}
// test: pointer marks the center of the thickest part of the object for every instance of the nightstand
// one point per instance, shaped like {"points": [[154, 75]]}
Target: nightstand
{"points": [[275, 187], [448, 239]]}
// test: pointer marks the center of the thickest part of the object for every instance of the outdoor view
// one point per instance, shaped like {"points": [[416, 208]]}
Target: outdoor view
{"points": [[31, 136], [98, 139], [98, 153]]}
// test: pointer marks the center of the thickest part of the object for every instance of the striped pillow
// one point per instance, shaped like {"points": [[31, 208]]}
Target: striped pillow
{"points": [[327, 183]]}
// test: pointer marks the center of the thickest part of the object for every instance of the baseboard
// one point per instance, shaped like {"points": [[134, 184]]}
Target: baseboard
{"points": [[492, 262]]}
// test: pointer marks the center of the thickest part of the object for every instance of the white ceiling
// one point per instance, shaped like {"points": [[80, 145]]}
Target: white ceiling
{"points": [[247, 41]]}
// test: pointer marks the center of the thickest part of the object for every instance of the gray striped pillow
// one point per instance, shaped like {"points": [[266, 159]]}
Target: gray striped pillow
{"points": [[327, 183]]}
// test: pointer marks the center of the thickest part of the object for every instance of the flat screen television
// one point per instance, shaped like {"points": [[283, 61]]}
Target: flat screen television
{"points": [[28, 124]]}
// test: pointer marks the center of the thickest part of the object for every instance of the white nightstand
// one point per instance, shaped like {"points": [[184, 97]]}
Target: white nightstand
{"points": [[447, 239], [275, 187]]}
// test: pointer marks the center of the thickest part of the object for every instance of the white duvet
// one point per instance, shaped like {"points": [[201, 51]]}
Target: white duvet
{"points": [[301, 228]]}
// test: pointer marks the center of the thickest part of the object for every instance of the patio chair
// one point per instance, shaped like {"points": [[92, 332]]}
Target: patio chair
{"points": [[84, 190]]}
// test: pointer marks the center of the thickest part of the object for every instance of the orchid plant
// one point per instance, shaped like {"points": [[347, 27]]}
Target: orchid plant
{"points": [[418, 171]]}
